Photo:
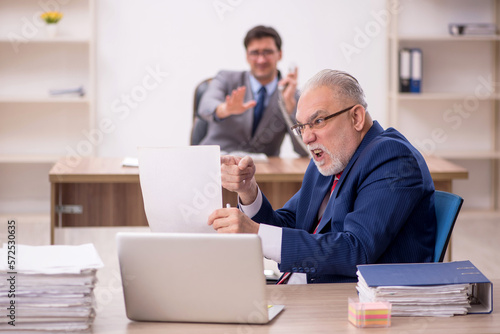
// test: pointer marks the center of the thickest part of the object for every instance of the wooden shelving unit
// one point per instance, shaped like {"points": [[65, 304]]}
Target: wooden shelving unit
{"points": [[36, 129], [456, 116]]}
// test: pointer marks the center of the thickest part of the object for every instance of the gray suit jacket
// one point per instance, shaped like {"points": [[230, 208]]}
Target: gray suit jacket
{"points": [[234, 133]]}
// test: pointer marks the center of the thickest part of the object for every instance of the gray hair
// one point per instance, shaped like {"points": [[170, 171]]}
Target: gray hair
{"points": [[344, 85]]}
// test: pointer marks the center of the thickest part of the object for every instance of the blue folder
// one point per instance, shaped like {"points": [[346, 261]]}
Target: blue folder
{"points": [[434, 273]]}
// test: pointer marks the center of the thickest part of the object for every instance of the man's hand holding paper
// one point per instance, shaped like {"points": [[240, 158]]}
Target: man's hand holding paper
{"points": [[232, 220]]}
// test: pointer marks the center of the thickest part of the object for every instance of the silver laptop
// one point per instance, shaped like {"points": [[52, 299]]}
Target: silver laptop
{"points": [[189, 277]]}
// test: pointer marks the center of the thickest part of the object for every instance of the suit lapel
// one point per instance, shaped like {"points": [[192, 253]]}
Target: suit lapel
{"points": [[269, 113], [248, 115], [328, 214], [270, 116], [374, 131], [322, 186]]}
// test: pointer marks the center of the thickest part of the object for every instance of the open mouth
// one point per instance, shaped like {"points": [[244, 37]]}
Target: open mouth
{"points": [[317, 153]]}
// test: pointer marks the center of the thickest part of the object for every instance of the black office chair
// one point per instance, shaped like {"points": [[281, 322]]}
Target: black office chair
{"points": [[200, 126]]}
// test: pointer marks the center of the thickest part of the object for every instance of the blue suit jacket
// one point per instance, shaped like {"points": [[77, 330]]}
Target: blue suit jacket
{"points": [[382, 211]]}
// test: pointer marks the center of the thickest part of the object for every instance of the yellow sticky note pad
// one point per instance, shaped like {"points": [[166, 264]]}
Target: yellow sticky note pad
{"points": [[376, 314]]}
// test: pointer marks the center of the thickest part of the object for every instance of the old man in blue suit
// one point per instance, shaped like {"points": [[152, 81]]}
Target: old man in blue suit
{"points": [[367, 195]]}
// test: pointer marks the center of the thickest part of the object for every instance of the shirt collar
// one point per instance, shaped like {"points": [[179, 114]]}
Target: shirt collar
{"points": [[270, 87]]}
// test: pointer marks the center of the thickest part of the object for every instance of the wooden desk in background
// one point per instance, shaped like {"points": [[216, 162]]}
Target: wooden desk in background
{"points": [[313, 308], [101, 192]]}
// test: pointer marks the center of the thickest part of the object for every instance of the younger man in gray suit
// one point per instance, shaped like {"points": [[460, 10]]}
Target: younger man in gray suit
{"points": [[243, 108]]}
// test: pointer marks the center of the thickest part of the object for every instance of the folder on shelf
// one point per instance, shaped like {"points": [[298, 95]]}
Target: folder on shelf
{"points": [[427, 289], [404, 70], [416, 70]]}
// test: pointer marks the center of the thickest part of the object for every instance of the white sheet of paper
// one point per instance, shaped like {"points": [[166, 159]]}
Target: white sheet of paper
{"points": [[181, 187], [54, 259]]}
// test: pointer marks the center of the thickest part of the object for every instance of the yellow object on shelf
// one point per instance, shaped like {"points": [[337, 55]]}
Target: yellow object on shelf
{"points": [[51, 17]]}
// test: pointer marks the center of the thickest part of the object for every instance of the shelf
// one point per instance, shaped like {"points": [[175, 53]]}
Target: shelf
{"points": [[26, 217], [33, 228], [55, 40], [41, 159], [43, 99], [457, 114], [468, 155], [439, 96], [37, 128], [446, 38]]}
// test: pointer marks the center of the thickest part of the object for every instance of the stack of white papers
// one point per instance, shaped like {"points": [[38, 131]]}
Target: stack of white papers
{"points": [[435, 301], [48, 288]]}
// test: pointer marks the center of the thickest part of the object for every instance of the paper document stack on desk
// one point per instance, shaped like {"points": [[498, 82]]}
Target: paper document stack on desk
{"points": [[427, 289], [48, 288]]}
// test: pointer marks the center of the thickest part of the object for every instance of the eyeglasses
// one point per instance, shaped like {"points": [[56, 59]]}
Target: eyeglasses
{"points": [[318, 123], [264, 53]]}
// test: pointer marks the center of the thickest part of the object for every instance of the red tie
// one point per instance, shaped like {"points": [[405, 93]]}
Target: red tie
{"points": [[286, 276]]}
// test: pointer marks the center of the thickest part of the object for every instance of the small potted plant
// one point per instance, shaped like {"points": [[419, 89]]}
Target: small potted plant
{"points": [[51, 18]]}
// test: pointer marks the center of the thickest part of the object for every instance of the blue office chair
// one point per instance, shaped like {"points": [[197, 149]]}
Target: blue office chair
{"points": [[447, 208]]}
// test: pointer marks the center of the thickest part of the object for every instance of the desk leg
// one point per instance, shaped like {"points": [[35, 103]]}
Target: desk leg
{"points": [[53, 214]]}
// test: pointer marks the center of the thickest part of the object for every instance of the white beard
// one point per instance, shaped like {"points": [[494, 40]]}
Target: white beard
{"points": [[336, 166]]}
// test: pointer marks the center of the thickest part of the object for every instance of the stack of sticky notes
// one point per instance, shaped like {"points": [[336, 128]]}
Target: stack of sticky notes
{"points": [[374, 314]]}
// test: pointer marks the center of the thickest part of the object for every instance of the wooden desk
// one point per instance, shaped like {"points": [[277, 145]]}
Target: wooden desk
{"points": [[317, 308], [110, 195]]}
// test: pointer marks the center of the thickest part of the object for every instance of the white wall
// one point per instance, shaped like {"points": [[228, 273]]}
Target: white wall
{"points": [[188, 41]]}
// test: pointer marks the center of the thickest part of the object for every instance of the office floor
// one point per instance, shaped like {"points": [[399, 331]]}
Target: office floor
{"points": [[474, 240], [478, 240]]}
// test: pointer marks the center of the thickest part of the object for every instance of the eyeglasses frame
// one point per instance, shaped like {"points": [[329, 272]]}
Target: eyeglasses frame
{"points": [[264, 53], [297, 129]]}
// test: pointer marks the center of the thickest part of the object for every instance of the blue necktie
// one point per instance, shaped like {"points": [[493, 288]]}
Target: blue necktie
{"points": [[259, 108]]}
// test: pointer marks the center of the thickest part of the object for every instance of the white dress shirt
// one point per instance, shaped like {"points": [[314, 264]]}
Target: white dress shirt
{"points": [[271, 235]]}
